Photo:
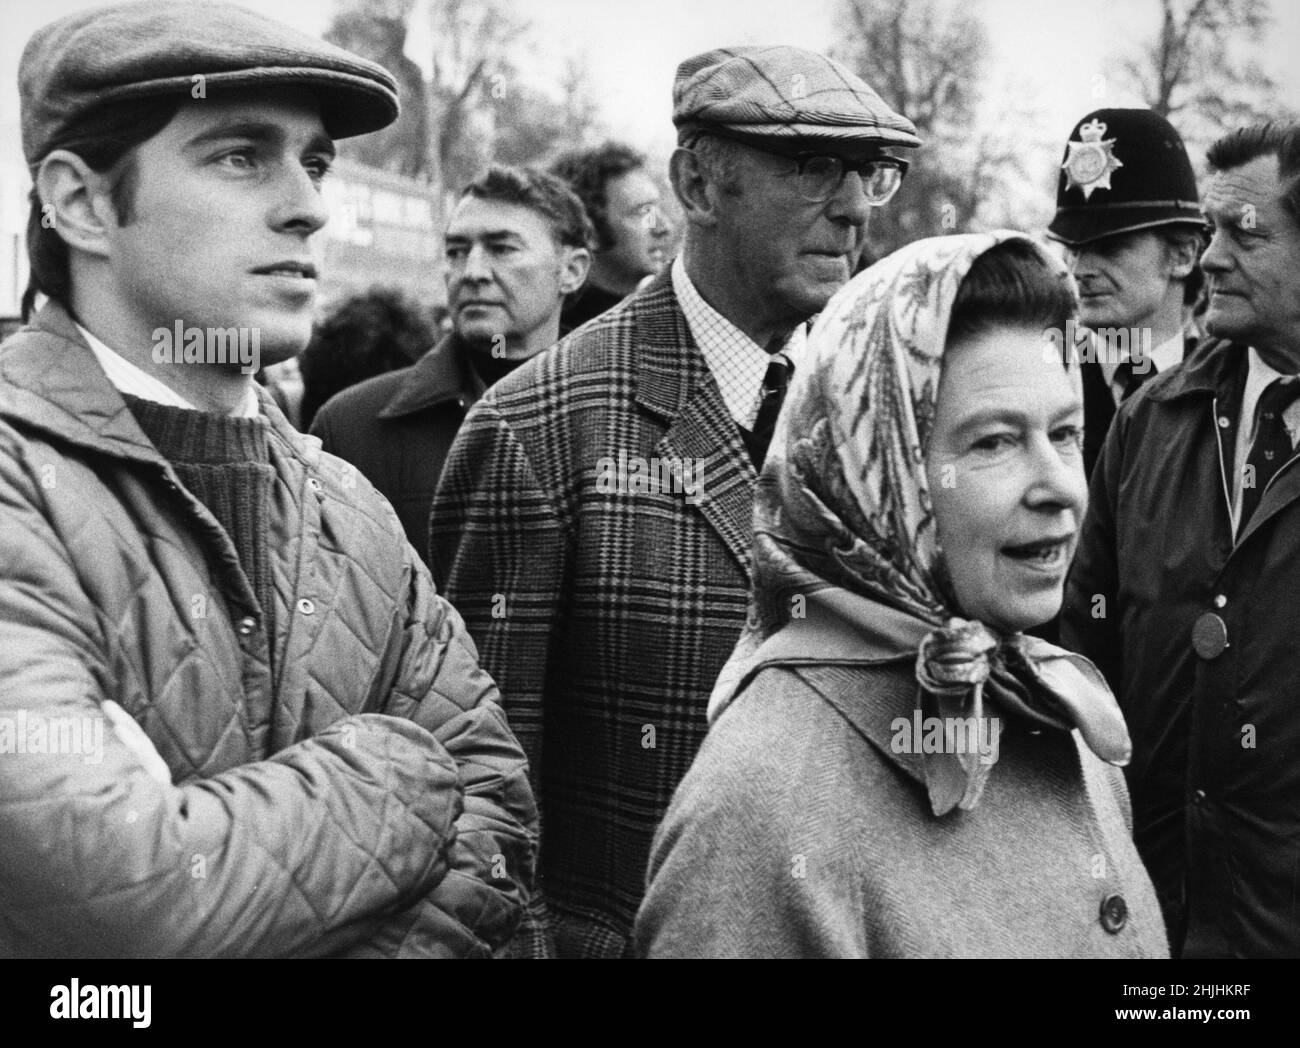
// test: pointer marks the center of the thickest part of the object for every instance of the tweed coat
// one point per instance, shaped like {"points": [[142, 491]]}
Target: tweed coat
{"points": [[801, 832], [360, 794], [604, 615]]}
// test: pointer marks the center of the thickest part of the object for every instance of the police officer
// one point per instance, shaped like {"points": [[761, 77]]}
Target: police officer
{"points": [[1127, 213]]}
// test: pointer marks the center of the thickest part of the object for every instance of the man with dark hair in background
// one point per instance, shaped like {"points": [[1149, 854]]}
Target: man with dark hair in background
{"points": [[633, 236], [281, 740], [1183, 591], [595, 514], [364, 335], [381, 330], [516, 244]]}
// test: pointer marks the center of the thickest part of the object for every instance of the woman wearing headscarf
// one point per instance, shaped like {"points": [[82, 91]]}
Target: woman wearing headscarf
{"points": [[893, 768]]}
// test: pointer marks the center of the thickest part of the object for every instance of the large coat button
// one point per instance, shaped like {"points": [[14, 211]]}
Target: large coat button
{"points": [[1114, 913], [1209, 636]]}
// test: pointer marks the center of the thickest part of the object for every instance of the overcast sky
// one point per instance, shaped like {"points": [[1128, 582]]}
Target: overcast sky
{"points": [[1051, 50]]}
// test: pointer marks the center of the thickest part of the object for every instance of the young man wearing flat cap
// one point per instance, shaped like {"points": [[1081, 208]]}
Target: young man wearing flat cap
{"points": [[236, 719], [1183, 589], [1128, 214], [593, 520]]}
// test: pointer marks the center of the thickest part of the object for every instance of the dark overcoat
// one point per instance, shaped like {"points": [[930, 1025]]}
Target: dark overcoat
{"points": [[1196, 633]]}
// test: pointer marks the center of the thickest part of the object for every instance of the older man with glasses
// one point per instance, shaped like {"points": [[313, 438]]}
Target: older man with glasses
{"points": [[593, 520]]}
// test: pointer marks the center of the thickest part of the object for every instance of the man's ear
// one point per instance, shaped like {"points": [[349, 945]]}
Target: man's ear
{"points": [[696, 193], [1180, 256], [574, 265], [74, 202]]}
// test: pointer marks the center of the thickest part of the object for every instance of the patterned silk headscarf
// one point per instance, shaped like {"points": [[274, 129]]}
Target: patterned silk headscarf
{"points": [[843, 520]]}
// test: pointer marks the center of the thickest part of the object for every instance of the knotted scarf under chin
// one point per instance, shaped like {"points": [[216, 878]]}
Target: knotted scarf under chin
{"points": [[962, 664]]}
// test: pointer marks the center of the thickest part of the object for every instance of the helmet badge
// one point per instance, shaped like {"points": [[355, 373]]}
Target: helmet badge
{"points": [[1088, 164]]}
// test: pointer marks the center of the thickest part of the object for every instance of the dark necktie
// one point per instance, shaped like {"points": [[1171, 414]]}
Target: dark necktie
{"points": [[775, 382], [1272, 447], [1130, 379]]}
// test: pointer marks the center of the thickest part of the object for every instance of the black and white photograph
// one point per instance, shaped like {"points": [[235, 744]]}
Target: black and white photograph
{"points": [[702, 479]]}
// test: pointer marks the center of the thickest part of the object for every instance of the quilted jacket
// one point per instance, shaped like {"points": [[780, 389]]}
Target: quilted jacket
{"points": [[605, 615], [369, 800]]}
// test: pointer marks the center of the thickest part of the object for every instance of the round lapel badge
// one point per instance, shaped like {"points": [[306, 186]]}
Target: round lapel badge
{"points": [[1209, 636]]}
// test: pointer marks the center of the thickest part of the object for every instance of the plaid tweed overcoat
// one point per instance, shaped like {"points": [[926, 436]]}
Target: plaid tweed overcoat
{"points": [[603, 615]]}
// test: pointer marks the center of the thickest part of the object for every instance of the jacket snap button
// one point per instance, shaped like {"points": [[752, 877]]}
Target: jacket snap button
{"points": [[246, 625], [315, 484], [1209, 636], [1198, 797], [1114, 913], [1224, 422], [1220, 601], [306, 606]]}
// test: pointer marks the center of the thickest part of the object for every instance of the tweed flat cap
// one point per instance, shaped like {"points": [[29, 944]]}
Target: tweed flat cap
{"points": [[160, 47], [782, 92]]}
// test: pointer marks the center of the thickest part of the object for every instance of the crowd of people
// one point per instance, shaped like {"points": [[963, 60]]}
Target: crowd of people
{"points": [[681, 590]]}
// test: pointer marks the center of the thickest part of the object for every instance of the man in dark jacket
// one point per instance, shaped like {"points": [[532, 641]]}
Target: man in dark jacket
{"points": [[594, 518], [1184, 587], [633, 235], [516, 244], [235, 717], [1128, 215]]}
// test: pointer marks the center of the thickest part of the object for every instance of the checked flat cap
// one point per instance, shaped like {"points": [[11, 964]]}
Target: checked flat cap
{"points": [[160, 47], [782, 92]]}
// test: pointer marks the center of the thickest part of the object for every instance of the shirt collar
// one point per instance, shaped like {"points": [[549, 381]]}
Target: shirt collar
{"points": [[1164, 356], [136, 382], [738, 363]]}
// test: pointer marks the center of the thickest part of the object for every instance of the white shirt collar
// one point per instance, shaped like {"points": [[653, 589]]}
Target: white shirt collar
{"points": [[136, 382], [1163, 356], [738, 363]]}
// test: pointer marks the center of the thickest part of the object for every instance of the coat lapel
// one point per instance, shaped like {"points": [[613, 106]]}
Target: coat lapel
{"points": [[674, 383], [1284, 490]]}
